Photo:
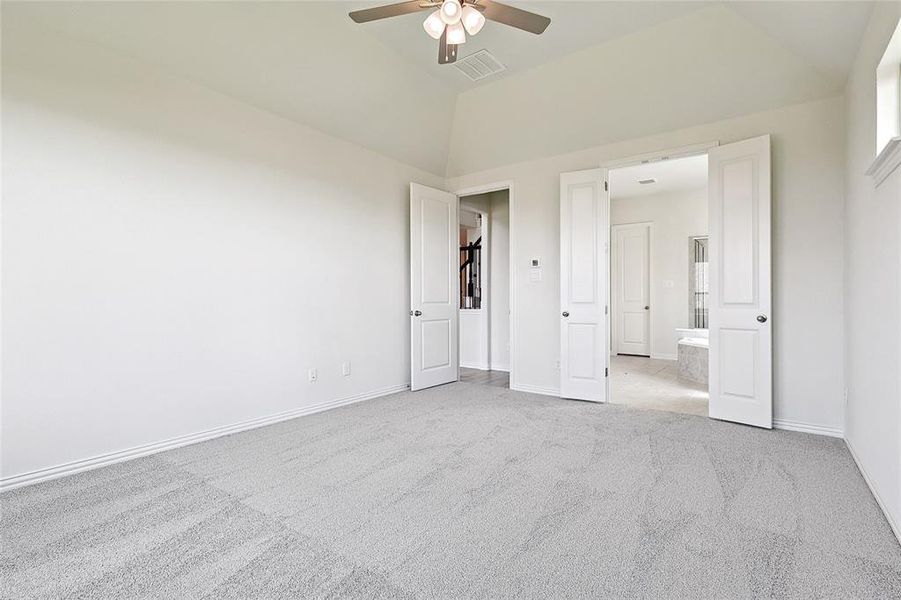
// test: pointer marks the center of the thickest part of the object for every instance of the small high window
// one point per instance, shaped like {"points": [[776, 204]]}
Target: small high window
{"points": [[888, 93]]}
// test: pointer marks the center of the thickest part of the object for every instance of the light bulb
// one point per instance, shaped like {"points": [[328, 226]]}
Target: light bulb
{"points": [[433, 25], [451, 11], [473, 20], [456, 34]]}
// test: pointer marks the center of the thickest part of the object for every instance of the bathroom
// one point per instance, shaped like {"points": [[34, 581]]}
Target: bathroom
{"points": [[659, 250]]}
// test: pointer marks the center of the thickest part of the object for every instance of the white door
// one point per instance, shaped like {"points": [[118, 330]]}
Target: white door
{"points": [[583, 285], [632, 298], [434, 267], [741, 337]]}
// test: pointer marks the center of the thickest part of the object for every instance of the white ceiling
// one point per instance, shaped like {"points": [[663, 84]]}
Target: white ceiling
{"points": [[673, 176], [379, 84], [574, 26], [825, 33]]}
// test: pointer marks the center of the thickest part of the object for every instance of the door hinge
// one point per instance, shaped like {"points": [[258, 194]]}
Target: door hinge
{"points": [[606, 372], [605, 310], [605, 187]]}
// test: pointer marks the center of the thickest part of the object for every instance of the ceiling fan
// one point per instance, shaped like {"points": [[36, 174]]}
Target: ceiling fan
{"points": [[453, 19]]}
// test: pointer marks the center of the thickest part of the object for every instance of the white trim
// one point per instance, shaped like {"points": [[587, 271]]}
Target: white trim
{"points": [[504, 368], [71, 468], [534, 389], [665, 154], [895, 526], [478, 367], [497, 187], [661, 356], [887, 161], [835, 432]]}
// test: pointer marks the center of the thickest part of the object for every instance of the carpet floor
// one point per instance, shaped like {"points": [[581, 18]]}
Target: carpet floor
{"points": [[462, 491]]}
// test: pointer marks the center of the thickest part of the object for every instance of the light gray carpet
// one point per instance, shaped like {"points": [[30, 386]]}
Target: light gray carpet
{"points": [[463, 491]]}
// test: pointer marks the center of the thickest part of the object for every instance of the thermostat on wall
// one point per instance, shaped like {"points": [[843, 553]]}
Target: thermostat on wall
{"points": [[535, 270]]}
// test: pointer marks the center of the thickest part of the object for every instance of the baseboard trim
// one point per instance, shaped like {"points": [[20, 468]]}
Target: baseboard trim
{"points": [[103, 460], [808, 428], [665, 356], [504, 368], [896, 527], [534, 389], [474, 366]]}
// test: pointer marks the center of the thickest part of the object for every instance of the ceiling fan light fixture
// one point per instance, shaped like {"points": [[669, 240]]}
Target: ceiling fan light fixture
{"points": [[473, 20], [451, 11], [456, 34], [433, 25]]}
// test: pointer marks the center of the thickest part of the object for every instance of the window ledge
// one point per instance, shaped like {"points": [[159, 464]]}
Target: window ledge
{"points": [[887, 161]]}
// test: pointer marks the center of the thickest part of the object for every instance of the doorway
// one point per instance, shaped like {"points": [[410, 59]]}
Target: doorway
{"points": [[658, 285], [735, 338], [484, 320]]}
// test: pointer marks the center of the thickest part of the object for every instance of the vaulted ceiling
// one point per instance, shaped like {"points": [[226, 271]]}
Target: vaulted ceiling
{"points": [[629, 67]]}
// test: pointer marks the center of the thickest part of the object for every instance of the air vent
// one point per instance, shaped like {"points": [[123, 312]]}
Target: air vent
{"points": [[647, 181], [479, 65]]}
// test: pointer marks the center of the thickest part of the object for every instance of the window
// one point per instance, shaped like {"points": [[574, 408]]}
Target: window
{"points": [[888, 93], [698, 288]]}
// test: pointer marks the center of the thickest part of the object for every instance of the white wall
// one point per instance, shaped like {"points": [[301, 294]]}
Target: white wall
{"points": [[174, 260], [873, 282], [499, 303], [676, 217], [808, 155]]}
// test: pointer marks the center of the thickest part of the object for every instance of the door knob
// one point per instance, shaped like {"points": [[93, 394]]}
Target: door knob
{"points": [[565, 314], [647, 308], [415, 313], [761, 318]]}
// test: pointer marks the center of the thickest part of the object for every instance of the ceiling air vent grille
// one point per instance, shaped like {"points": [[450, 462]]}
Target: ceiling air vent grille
{"points": [[479, 65]]}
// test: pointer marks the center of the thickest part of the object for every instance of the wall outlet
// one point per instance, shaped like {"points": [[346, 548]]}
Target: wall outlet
{"points": [[313, 375], [345, 369]]}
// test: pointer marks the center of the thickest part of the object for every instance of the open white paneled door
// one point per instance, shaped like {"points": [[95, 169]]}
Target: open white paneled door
{"points": [[434, 270], [741, 337], [583, 285]]}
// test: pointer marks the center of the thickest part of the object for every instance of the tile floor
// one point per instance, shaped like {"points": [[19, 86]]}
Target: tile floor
{"points": [[650, 383], [492, 378]]}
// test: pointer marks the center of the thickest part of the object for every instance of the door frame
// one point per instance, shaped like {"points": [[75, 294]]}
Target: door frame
{"points": [[651, 287], [485, 274], [630, 161], [484, 189]]}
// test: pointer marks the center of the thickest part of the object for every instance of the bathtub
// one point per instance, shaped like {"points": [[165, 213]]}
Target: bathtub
{"points": [[693, 348], [696, 334]]}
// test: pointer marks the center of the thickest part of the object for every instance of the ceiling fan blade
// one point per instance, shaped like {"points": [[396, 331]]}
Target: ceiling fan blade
{"points": [[389, 10], [514, 17], [447, 53]]}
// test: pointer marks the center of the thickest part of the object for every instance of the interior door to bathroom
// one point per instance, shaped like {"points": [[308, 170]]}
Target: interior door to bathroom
{"points": [[584, 236], [631, 288], [434, 282], [741, 334]]}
